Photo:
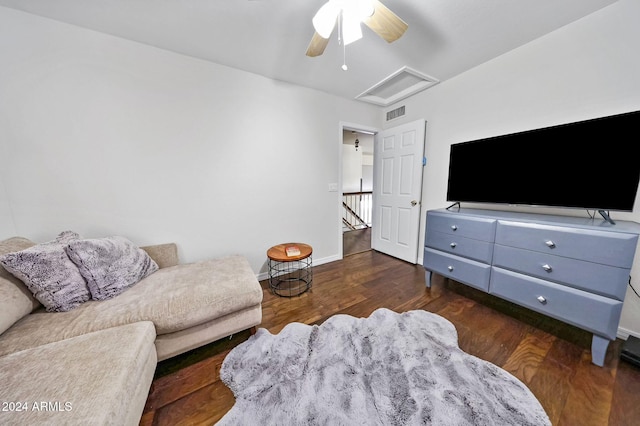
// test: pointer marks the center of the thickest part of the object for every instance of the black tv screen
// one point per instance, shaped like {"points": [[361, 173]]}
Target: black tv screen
{"points": [[588, 164]]}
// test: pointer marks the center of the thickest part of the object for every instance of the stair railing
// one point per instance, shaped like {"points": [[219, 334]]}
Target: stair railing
{"points": [[357, 207]]}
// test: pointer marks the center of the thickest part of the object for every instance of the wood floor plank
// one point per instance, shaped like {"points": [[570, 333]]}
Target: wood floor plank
{"points": [[526, 358], [591, 393], [170, 388], [550, 357], [147, 418], [202, 407], [501, 337], [625, 402]]}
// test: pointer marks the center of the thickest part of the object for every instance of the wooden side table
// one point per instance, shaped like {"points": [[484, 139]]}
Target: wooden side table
{"points": [[290, 275]]}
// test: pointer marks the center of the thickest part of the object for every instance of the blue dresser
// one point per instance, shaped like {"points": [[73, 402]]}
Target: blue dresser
{"points": [[573, 269]]}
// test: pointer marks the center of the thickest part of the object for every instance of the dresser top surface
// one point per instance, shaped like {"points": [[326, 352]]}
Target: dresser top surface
{"points": [[548, 219]]}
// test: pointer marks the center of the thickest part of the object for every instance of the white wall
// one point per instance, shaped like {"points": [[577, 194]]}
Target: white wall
{"points": [[585, 70], [358, 164], [351, 163], [105, 136], [7, 227]]}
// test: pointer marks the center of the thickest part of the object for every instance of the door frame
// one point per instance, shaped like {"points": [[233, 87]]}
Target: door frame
{"points": [[341, 128]]}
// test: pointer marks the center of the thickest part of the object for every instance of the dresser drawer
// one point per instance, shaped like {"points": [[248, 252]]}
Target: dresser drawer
{"points": [[455, 244], [605, 280], [465, 226], [466, 271], [607, 248], [589, 311]]}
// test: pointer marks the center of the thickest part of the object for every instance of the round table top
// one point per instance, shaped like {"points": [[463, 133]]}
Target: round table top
{"points": [[279, 253]]}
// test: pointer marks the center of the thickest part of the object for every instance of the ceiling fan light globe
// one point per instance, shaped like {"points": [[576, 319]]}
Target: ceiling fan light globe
{"points": [[363, 8], [351, 30], [325, 19]]}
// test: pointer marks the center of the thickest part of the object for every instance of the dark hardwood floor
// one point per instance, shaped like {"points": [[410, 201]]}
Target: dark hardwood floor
{"points": [[356, 241], [553, 359]]}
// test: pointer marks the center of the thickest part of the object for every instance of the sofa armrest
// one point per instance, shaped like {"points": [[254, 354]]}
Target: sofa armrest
{"points": [[163, 254]]}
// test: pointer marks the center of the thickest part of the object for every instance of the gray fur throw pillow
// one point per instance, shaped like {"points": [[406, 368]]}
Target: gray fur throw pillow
{"points": [[49, 274], [110, 265]]}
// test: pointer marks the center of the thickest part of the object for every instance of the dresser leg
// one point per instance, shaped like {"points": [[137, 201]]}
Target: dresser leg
{"points": [[599, 347], [427, 278]]}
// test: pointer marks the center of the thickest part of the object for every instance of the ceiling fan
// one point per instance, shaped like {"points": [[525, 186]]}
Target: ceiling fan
{"points": [[347, 15]]}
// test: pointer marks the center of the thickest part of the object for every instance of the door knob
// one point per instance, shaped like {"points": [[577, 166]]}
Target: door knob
{"points": [[414, 202]]}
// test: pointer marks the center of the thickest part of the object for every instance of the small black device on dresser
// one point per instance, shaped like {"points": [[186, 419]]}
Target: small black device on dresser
{"points": [[631, 351]]}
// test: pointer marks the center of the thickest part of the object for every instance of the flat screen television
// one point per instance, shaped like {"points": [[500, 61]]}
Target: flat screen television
{"points": [[588, 164]]}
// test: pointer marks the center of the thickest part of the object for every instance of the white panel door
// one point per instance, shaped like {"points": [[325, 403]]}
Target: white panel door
{"points": [[397, 190]]}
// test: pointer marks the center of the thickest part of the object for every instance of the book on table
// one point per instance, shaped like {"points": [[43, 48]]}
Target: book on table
{"points": [[292, 251]]}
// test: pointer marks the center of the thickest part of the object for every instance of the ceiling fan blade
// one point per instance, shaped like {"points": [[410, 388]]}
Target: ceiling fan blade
{"points": [[317, 45], [385, 23]]}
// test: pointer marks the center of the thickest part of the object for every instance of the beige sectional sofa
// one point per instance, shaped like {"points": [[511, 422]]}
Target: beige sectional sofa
{"points": [[94, 364]]}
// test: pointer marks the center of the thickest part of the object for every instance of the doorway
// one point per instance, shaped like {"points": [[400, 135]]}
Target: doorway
{"points": [[398, 161], [357, 191]]}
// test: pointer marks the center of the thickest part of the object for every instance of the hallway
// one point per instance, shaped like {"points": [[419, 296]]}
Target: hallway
{"points": [[357, 241]]}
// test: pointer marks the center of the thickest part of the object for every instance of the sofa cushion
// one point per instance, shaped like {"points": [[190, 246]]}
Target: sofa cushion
{"points": [[96, 379], [49, 273], [173, 298], [16, 300], [110, 265], [164, 255], [171, 344]]}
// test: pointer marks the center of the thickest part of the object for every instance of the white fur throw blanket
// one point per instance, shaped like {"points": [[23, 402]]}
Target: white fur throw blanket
{"points": [[388, 369]]}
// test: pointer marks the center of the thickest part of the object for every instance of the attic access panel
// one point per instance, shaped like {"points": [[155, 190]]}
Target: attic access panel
{"points": [[399, 85]]}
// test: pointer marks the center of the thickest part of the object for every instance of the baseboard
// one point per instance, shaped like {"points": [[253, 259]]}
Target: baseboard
{"points": [[316, 262], [624, 333]]}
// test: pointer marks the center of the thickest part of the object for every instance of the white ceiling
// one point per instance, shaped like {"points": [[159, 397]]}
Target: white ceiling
{"points": [[270, 37]]}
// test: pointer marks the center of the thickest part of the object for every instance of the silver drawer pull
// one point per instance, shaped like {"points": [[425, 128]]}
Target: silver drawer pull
{"points": [[542, 299], [450, 268], [453, 245], [453, 227], [550, 244], [547, 267]]}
